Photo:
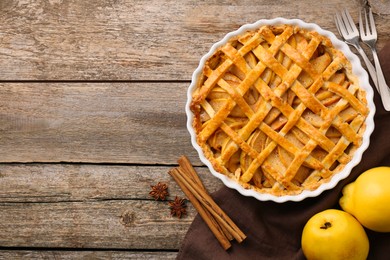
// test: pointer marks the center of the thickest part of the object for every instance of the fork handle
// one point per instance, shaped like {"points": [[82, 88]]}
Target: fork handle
{"points": [[370, 67], [383, 88]]}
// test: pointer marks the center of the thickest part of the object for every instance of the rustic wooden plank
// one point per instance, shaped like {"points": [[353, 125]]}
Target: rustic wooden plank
{"points": [[135, 40], [77, 183], [57, 254], [132, 224], [380, 7], [90, 206], [138, 123]]}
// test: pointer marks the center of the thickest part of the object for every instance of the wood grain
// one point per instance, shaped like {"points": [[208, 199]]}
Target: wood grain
{"points": [[138, 123], [48, 183], [92, 97], [135, 40], [380, 7], [90, 206], [88, 254], [132, 224]]}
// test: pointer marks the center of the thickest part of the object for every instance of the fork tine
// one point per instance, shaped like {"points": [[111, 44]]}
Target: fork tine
{"points": [[368, 31], [337, 24], [340, 25], [348, 27], [372, 22], [347, 21], [348, 16], [362, 34]]}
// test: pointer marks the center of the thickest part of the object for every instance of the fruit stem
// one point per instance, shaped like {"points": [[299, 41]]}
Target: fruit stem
{"points": [[326, 225]]}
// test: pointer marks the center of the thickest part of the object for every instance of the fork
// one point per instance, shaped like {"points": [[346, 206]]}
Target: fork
{"points": [[369, 37], [347, 29]]}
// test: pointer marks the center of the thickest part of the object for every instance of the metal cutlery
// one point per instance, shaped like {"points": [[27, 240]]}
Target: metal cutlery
{"points": [[369, 36], [350, 33]]}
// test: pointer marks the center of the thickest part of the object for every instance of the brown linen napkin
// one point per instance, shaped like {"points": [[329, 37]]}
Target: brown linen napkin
{"points": [[274, 230]]}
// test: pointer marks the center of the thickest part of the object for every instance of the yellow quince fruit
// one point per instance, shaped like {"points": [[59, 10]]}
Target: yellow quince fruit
{"points": [[336, 235], [368, 199]]}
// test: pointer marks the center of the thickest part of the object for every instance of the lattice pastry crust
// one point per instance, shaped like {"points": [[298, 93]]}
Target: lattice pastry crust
{"points": [[279, 110]]}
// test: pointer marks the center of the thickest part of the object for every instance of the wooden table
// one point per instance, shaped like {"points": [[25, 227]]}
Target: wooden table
{"points": [[92, 98]]}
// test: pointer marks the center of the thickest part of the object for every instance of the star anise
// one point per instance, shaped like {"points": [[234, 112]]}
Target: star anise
{"points": [[159, 191], [178, 207]]}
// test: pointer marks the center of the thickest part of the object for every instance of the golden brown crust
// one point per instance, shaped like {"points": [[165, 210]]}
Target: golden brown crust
{"points": [[279, 110]]}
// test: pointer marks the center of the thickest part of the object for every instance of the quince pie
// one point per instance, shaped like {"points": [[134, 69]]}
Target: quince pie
{"points": [[278, 110]]}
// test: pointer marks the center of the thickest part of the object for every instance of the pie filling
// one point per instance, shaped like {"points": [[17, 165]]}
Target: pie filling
{"points": [[278, 110]]}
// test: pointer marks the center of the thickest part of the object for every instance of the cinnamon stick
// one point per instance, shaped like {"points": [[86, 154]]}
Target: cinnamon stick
{"points": [[206, 216], [216, 219], [186, 167], [213, 208], [219, 226]]}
